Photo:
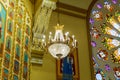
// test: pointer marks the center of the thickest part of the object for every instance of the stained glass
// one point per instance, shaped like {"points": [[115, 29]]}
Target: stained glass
{"points": [[95, 32], [116, 56], [104, 28], [107, 67], [110, 43], [99, 74], [93, 43], [95, 63], [114, 23], [102, 54], [110, 31]]}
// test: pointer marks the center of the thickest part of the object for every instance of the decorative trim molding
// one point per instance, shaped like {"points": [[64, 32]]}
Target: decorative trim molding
{"points": [[72, 10], [71, 14]]}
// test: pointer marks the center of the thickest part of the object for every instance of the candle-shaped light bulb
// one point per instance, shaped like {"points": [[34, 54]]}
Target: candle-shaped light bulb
{"points": [[44, 36], [50, 34], [68, 41], [44, 43], [75, 43], [66, 35], [43, 40], [73, 37], [39, 40]]}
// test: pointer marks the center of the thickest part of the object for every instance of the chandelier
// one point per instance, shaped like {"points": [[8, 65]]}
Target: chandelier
{"points": [[59, 45]]}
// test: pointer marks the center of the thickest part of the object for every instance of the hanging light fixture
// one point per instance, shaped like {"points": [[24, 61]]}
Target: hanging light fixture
{"points": [[59, 45]]}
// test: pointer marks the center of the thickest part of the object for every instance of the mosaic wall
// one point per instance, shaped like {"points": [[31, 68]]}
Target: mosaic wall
{"points": [[15, 29], [104, 22]]}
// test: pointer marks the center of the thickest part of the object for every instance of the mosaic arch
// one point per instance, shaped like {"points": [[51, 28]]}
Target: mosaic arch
{"points": [[104, 29]]}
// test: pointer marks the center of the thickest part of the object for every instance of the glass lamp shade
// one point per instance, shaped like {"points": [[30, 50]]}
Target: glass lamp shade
{"points": [[59, 50]]}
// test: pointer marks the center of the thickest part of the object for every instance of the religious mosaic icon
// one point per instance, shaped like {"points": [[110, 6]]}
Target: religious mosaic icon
{"points": [[104, 29], [10, 26], [12, 3], [19, 21], [28, 29], [7, 60], [17, 51], [26, 42], [11, 12], [2, 26], [5, 74], [15, 32], [18, 34], [8, 43], [26, 57], [25, 67], [16, 67], [20, 15], [25, 70], [20, 11], [15, 77]]}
